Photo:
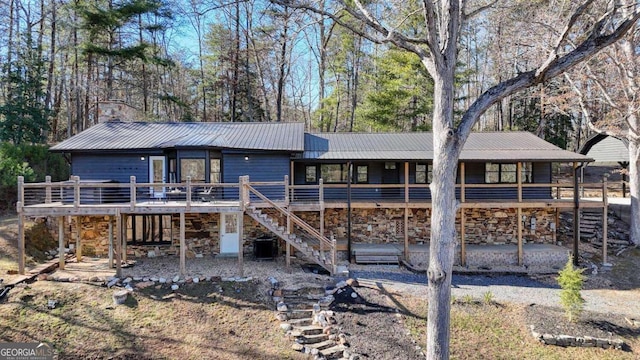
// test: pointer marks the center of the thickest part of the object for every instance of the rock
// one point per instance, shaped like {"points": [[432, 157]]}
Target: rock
{"points": [[144, 284], [128, 288], [94, 279], [326, 301], [162, 280], [285, 327], [176, 278], [316, 307], [196, 280], [137, 278], [188, 280], [341, 284], [190, 254], [120, 296], [112, 283], [154, 279], [145, 279], [274, 283], [42, 277], [127, 280], [174, 287], [216, 279], [277, 293], [354, 295], [282, 317], [151, 254], [51, 303], [352, 282], [314, 351], [297, 347], [199, 256], [282, 307], [354, 357]]}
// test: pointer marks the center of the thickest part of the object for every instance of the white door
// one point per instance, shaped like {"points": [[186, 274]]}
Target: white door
{"points": [[157, 169], [229, 234]]}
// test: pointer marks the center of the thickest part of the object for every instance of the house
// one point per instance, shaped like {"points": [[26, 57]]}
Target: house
{"points": [[195, 189], [607, 150]]}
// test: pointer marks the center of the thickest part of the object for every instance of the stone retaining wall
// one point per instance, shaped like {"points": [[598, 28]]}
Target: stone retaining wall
{"points": [[369, 226]]}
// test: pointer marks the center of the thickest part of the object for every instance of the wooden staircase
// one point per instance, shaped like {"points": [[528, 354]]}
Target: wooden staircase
{"points": [[306, 239]]}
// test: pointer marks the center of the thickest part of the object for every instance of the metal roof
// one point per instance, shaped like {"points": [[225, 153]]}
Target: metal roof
{"points": [[117, 135], [607, 149], [486, 146]]}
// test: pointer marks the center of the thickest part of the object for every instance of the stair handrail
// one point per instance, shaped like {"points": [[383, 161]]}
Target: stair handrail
{"points": [[294, 217]]}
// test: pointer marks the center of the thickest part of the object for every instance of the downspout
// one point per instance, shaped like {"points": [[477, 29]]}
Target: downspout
{"points": [[349, 165], [576, 210]]}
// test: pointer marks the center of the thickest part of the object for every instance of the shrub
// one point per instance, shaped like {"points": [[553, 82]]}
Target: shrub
{"points": [[570, 280], [488, 297]]}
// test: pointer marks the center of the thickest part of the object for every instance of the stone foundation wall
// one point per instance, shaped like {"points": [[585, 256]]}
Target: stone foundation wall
{"points": [[369, 226]]}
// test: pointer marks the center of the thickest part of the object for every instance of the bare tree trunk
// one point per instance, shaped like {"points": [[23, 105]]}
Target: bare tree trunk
{"points": [[282, 69], [634, 180]]}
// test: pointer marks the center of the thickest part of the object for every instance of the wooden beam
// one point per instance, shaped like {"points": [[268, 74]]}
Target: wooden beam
{"points": [[406, 181], [78, 238], [183, 246], [519, 220], [406, 232], [288, 256], [119, 237], [110, 242], [21, 253], [61, 262], [125, 219], [240, 225], [519, 180], [463, 245], [576, 215]]}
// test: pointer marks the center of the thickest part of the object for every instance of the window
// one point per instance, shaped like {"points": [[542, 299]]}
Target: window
{"points": [[310, 174], [507, 173], [362, 174], [334, 173], [424, 173], [389, 165], [214, 171], [193, 168], [149, 229]]}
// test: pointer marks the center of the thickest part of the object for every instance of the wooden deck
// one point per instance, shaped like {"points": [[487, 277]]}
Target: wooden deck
{"points": [[140, 207]]}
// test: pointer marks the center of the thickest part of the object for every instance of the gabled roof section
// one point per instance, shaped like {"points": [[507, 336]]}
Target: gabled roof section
{"points": [[116, 135], [605, 148], [486, 146]]}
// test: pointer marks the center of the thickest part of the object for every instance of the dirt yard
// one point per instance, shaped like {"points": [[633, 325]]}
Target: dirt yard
{"points": [[218, 319]]}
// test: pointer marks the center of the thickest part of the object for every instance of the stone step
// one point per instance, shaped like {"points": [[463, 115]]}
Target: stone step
{"points": [[322, 345], [312, 339], [308, 330], [333, 352], [300, 322], [300, 314], [300, 304]]}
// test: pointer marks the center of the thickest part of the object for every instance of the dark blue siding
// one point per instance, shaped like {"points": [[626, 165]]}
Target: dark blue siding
{"points": [[110, 167], [259, 167], [475, 175]]}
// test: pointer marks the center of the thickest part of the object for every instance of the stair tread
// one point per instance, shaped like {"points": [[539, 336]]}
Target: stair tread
{"points": [[322, 345], [332, 350]]}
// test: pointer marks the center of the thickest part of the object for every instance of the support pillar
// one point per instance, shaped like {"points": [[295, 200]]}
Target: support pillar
{"points": [[605, 207], [124, 238], [463, 245], [21, 253], [110, 242], [61, 242], [241, 243], [183, 247], [78, 238], [520, 251], [118, 244], [576, 214]]}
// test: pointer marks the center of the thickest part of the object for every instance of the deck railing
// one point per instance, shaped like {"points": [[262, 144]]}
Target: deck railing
{"points": [[79, 193]]}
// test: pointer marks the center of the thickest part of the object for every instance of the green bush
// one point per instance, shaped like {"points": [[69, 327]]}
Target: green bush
{"points": [[571, 280], [34, 162]]}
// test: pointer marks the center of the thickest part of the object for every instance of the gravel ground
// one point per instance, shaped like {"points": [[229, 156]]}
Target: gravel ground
{"points": [[508, 288]]}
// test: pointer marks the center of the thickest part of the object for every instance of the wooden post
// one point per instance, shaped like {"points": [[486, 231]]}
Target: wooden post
{"points": [[119, 243], [519, 180], [132, 190], [406, 182], [520, 251], [286, 190], [78, 238], [61, 242], [47, 196], [240, 225], [406, 210], [76, 191], [334, 256], [21, 253], [463, 245], [288, 255], [576, 214], [125, 219], [110, 242], [183, 246], [321, 212], [463, 181], [557, 222], [188, 206], [605, 207]]}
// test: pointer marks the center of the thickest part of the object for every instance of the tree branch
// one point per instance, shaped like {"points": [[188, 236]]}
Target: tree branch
{"points": [[589, 47], [477, 11]]}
